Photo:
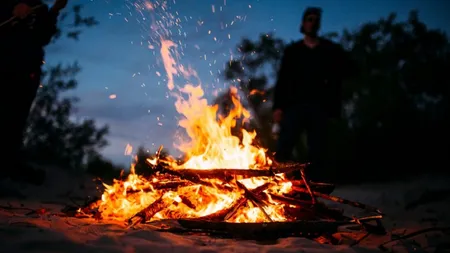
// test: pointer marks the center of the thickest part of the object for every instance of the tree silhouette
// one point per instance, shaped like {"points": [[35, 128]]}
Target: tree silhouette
{"points": [[402, 86], [52, 136], [71, 22]]}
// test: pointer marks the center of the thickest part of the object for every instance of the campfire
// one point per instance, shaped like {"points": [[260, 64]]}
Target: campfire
{"points": [[268, 201], [227, 184]]}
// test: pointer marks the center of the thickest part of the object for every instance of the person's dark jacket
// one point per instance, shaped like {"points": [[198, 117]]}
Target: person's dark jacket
{"points": [[312, 76], [22, 41]]}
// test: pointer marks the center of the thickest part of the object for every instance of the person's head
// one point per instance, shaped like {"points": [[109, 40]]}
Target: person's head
{"points": [[311, 21]]}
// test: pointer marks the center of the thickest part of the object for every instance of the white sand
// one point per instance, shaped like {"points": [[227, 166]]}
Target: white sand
{"points": [[45, 233]]}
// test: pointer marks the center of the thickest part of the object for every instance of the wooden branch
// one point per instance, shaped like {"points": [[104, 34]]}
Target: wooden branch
{"points": [[339, 200], [227, 213], [223, 173], [187, 202], [245, 173], [186, 176], [173, 185], [315, 186], [147, 213], [243, 199], [290, 201], [254, 199], [306, 182], [158, 205]]}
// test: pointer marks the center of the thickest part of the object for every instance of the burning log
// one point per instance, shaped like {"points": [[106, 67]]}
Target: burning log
{"points": [[174, 185], [158, 205], [185, 175], [227, 213], [257, 201], [187, 202], [223, 173], [245, 173], [147, 213], [243, 199]]}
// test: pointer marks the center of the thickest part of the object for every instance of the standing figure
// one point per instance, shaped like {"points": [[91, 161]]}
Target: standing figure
{"points": [[26, 26], [308, 90]]}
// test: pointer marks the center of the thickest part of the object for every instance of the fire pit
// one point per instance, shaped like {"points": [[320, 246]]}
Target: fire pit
{"points": [[245, 203]]}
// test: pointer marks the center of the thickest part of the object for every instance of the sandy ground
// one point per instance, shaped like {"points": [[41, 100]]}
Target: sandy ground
{"points": [[20, 232]]}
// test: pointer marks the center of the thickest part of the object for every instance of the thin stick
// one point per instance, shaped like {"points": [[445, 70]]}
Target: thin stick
{"points": [[290, 201], [340, 200], [313, 198], [158, 153]]}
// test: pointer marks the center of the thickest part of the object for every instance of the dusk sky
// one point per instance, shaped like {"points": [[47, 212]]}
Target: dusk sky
{"points": [[116, 59]]}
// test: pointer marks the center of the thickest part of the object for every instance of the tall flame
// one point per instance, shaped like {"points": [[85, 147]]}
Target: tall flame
{"points": [[212, 144]]}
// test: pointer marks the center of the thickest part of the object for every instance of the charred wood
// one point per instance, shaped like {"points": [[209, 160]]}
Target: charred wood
{"points": [[161, 186], [290, 201], [339, 200]]}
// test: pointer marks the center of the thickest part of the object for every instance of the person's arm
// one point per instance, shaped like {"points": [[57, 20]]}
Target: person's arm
{"points": [[280, 90]]}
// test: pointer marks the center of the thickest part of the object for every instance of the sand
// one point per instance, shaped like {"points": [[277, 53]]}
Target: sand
{"points": [[22, 232]]}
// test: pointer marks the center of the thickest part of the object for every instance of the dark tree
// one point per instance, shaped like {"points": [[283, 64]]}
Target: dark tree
{"points": [[400, 98], [52, 135], [396, 107]]}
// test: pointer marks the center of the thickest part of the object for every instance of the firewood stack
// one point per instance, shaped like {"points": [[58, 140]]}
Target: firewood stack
{"points": [[283, 205]]}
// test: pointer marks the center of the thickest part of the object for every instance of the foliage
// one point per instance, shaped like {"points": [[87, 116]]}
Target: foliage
{"points": [[52, 136], [396, 105], [71, 22], [401, 95]]}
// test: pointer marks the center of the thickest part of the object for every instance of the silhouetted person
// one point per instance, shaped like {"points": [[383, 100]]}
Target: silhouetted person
{"points": [[308, 90], [26, 26]]}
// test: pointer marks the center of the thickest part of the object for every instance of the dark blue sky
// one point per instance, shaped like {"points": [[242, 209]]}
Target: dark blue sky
{"points": [[115, 57]]}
